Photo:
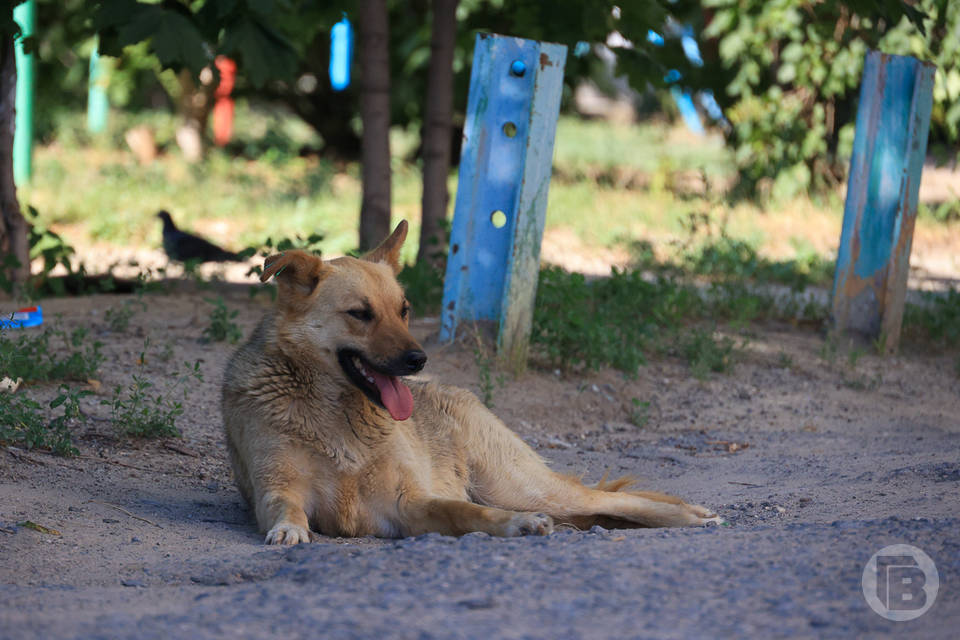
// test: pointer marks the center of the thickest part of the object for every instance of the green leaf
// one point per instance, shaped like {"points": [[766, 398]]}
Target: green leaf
{"points": [[173, 35], [262, 53]]}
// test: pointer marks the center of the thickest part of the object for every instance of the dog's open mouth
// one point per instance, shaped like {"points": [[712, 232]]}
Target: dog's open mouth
{"points": [[381, 387]]}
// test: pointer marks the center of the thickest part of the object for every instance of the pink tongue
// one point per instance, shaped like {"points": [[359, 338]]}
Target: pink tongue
{"points": [[395, 395]]}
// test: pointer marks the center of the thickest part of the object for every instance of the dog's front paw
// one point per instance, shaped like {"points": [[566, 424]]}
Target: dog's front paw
{"points": [[530, 524], [287, 533]]}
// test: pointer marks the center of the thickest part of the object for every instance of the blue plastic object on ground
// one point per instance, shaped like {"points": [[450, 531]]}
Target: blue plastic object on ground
{"points": [[21, 318]]}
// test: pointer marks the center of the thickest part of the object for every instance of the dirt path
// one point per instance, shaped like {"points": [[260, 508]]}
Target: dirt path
{"points": [[816, 462]]}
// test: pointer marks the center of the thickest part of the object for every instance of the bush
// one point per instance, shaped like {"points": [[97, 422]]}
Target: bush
{"points": [[48, 354], [609, 321], [21, 422]]}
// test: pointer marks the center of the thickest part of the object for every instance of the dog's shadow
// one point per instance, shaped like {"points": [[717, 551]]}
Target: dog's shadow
{"points": [[200, 513]]}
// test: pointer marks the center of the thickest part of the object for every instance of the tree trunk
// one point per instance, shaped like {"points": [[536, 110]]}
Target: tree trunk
{"points": [[196, 103], [438, 122], [375, 114], [14, 237]]}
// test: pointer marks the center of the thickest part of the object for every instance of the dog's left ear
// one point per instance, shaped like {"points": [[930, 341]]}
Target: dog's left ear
{"points": [[297, 272], [389, 250]]}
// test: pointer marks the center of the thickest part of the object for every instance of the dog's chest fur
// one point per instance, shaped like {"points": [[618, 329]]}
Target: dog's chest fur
{"points": [[358, 458]]}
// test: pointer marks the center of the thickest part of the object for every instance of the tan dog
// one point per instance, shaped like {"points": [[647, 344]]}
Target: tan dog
{"points": [[324, 435]]}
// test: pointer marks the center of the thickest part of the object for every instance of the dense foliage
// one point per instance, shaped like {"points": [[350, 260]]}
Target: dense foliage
{"points": [[786, 72], [790, 75]]}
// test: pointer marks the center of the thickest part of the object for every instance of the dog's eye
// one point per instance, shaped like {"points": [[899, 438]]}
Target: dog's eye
{"points": [[364, 315], [405, 311]]}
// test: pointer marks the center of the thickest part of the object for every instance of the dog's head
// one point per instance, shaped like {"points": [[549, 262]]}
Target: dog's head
{"points": [[351, 315]]}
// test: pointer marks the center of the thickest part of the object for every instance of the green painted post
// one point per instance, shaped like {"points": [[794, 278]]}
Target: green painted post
{"points": [[98, 106], [25, 15]]}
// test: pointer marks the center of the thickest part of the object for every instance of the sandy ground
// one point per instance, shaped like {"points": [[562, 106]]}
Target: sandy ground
{"points": [[816, 464]]}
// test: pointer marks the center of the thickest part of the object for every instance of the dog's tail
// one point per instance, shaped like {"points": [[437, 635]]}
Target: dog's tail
{"points": [[621, 483]]}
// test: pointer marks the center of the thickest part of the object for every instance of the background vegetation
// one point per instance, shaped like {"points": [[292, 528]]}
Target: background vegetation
{"points": [[786, 72], [698, 263]]}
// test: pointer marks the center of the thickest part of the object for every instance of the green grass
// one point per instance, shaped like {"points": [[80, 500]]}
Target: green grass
{"points": [[590, 145], [938, 320], [90, 188], [739, 260], [706, 354], [622, 320]]}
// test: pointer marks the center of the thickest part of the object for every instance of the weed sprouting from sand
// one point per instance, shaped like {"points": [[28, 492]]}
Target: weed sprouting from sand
{"points": [[143, 409], [222, 326]]}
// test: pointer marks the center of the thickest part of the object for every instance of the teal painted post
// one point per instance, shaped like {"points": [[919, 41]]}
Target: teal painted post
{"points": [[98, 105], [505, 166], [873, 261], [25, 16]]}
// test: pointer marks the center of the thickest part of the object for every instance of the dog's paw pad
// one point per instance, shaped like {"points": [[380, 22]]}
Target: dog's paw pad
{"points": [[287, 533], [534, 524]]}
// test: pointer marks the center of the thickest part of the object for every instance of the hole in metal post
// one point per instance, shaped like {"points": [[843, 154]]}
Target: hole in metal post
{"points": [[509, 129], [498, 219]]}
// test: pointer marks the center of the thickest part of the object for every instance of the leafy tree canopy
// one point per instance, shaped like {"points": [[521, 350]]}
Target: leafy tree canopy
{"points": [[191, 34]]}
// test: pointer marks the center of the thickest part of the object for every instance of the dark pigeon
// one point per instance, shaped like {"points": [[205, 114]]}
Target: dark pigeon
{"points": [[186, 247]]}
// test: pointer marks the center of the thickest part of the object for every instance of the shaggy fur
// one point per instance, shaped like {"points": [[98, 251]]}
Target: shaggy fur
{"points": [[314, 447]]}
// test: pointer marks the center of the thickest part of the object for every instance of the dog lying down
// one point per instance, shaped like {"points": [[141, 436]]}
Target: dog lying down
{"points": [[324, 434]]}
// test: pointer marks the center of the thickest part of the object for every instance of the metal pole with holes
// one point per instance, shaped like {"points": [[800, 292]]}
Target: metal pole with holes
{"points": [[890, 144], [505, 165]]}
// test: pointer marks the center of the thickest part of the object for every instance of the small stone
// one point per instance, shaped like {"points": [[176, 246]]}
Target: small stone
{"points": [[111, 520], [478, 603]]}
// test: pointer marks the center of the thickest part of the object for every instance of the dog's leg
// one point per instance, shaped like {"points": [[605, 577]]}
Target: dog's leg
{"points": [[458, 517], [507, 473], [281, 514], [280, 499]]}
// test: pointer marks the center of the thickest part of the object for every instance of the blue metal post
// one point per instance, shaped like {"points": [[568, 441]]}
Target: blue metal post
{"points": [[505, 166], [873, 261]]}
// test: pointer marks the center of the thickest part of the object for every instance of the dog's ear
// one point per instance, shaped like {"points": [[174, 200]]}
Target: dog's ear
{"points": [[389, 250], [296, 271]]}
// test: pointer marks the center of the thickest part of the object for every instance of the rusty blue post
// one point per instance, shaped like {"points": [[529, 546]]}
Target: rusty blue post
{"points": [[505, 167], [893, 122]]}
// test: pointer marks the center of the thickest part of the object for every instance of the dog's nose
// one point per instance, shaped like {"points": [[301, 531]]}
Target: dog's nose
{"points": [[414, 360]]}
